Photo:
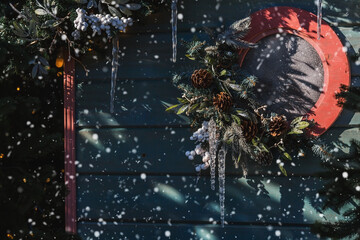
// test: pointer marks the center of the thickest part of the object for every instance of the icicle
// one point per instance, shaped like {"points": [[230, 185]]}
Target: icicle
{"points": [[212, 151], [114, 70], [174, 28], [221, 170], [244, 167], [319, 17]]}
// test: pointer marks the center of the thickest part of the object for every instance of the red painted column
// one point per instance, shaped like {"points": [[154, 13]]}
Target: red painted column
{"points": [[69, 144]]}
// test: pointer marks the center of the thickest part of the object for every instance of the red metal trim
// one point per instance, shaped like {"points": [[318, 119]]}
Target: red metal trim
{"points": [[69, 144], [330, 49]]}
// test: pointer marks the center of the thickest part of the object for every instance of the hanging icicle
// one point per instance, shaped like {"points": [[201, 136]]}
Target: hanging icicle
{"points": [[221, 170], [114, 70], [212, 150], [319, 18], [244, 167], [174, 28]]}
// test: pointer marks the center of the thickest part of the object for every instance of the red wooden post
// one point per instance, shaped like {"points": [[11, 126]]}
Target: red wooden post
{"points": [[69, 144]]}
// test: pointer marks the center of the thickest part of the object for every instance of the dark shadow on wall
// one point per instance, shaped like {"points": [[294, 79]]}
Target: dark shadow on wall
{"points": [[290, 74]]}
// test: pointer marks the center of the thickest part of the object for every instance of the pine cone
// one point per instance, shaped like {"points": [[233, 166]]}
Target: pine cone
{"points": [[249, 129], [222, 101], [201, 78], [278, 126], [264, 158]]}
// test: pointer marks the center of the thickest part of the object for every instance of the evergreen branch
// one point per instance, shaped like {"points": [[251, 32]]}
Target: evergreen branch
{"points": [[19, 13]]}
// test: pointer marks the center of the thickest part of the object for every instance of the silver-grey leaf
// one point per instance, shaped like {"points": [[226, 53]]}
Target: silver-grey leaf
{"points": [[48, 23], [100, 7], [54, 10], [32, 28], [243, 114], [114, 11], [20, 33], [40, 12], [44, 61], [235, 87], [47, 3], [133, 6], [90, 4], [17, 26], [42, 70], [125, 10], [34, 70]]}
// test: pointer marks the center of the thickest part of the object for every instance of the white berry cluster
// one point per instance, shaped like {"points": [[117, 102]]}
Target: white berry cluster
{"points": [[98, 23], [200, 136]]}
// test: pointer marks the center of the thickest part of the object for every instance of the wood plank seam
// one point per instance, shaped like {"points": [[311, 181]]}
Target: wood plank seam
{"points": [[347, 126], [178, 222], [194, 174], [69, 144]]}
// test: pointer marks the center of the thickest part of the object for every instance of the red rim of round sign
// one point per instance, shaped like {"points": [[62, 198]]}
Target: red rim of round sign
{"points": [[302, 23]]}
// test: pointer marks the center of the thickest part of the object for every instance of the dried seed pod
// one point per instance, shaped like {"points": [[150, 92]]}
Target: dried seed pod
{"points": [[249, 129], [278, 126], [201, 78], [264, 158], [223, 101]]}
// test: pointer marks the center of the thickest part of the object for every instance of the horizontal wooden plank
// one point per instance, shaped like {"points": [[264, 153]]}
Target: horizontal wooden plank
{"points": [[355, 68], [148, 56], [349, 35], [145, 56], [162, 151], [184, 198], [208, 12], [89, 231], [348, 118], [141, 103]]}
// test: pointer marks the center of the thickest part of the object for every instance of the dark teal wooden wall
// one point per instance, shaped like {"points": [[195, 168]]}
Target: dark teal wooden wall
{"points": [[134, 181]]}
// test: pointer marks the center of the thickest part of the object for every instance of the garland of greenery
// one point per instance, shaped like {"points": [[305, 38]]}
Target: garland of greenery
{"points": [[46, 26], [77, 25], [220, 100]]}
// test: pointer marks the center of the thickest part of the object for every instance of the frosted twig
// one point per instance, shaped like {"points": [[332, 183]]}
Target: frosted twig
{"points": [[174, 28], [114, 71]]}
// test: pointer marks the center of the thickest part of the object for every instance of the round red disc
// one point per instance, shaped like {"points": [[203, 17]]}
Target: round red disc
{"points": [[330, 49]]}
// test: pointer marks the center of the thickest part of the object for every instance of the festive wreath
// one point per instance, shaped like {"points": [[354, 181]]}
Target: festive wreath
{"points": [[220, 101]]}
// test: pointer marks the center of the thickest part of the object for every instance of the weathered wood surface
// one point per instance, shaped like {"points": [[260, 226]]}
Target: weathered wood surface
{"points": [[141, 231], [184, 198], [162, 151], [113, 151], [199, 13], [148, 88], [148, 56], [140, 103]]}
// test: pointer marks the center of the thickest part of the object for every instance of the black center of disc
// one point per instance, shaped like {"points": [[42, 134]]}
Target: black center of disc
{"points": [[290, 74]]}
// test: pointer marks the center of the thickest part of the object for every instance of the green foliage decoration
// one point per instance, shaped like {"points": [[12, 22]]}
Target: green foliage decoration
{"points": [[44, 27], [221, 60]]}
